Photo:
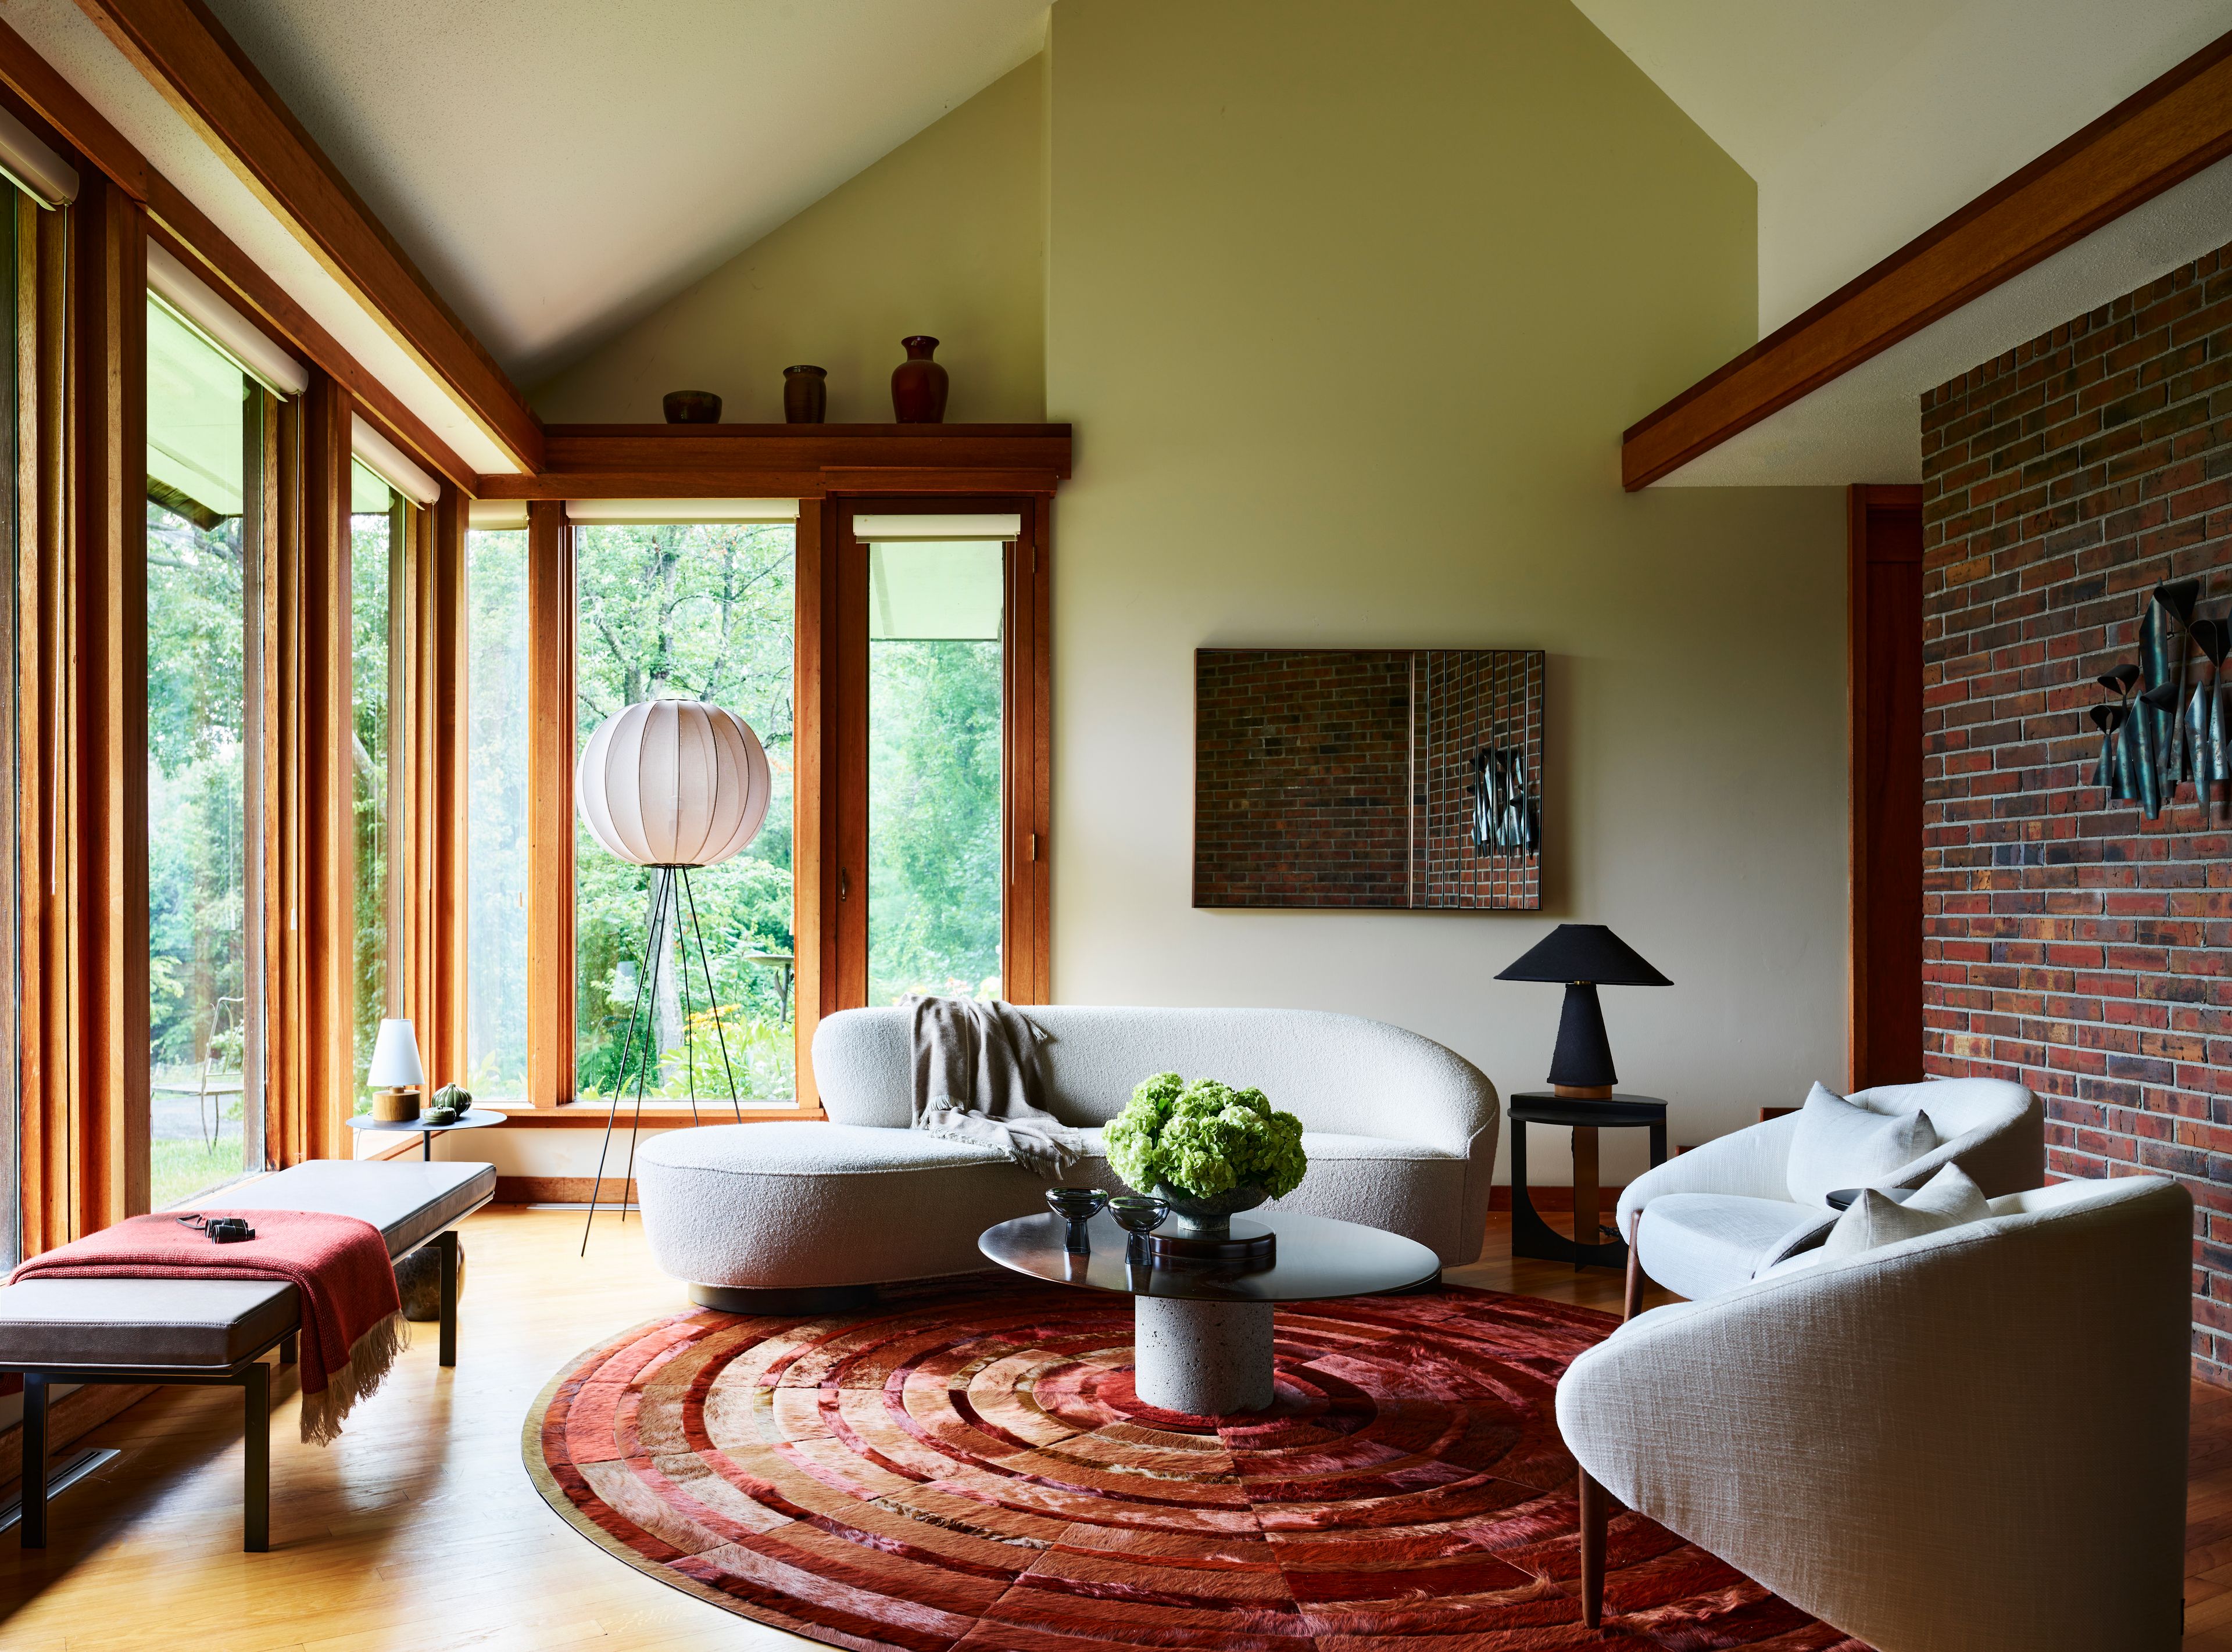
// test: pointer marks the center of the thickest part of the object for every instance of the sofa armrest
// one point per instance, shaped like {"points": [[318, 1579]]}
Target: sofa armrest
{"points": [[1753, 1162], [1863, 1436]]}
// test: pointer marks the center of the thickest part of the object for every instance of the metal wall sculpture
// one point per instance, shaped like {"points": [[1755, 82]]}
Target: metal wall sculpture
{"points": [[2166, 725], [1403, 778]]}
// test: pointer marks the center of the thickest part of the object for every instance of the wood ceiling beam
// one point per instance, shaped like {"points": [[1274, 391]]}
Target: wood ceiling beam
{"points": [[2158, 137], [45, 97], [187, 55]]}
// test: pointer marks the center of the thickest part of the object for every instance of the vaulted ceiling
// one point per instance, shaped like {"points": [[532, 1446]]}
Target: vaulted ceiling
{"points": [[559, 167]]}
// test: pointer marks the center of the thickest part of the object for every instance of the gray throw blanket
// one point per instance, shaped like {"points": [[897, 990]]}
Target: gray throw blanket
{"points": [[976, 1080]]}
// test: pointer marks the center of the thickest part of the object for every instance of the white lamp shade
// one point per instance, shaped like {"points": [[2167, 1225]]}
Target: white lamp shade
{"points": [[395, 1058], [673, 783]]}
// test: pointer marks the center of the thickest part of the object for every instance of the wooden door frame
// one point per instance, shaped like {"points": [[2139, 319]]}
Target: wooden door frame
{"points": [[1866, 1061]]}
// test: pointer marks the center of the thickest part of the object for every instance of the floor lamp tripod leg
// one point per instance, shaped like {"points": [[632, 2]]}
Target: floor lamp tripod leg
{"points": [[643, 1071], [712, 1001], [627, 1047]]}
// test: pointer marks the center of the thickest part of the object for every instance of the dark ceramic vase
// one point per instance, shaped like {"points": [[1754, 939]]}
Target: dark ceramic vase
{"points": [[691, 407], [918, 384], [805, 394], [1210, 1216]]}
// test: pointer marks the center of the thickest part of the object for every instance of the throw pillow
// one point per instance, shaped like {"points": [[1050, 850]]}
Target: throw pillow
{"points": [[1841, 1143], [1948, 1199]]}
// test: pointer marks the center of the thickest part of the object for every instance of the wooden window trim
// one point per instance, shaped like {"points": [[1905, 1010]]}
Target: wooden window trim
{"points": [[550, 611]]}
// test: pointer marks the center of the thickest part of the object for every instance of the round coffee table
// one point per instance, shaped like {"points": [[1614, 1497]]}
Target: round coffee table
{"points": [[1202, 1336]]}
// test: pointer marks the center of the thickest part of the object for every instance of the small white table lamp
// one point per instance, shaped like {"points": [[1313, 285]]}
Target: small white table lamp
{"points": [[395, 1074]]}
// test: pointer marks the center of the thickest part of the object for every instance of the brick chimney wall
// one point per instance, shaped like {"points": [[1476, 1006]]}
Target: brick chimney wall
{"points": [[2069, 943]]}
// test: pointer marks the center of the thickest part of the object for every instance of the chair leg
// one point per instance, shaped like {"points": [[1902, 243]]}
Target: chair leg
{"points": [[33, 1531], [446, 1242], [255, 1408], [290, 1349], [1596, 1518], [1634, 1304]]}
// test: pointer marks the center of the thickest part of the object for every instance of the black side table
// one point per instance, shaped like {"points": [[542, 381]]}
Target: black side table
{"points": [[1530, 1235]]}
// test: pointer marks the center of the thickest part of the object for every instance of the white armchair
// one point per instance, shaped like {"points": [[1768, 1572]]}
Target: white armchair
{"points": [[1719, 1214], [1971, 1441]]}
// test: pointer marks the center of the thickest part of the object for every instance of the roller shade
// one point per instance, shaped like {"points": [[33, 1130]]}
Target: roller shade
{"points": [[487, 513], [914, 525], [178, 290], [33, 168], [649, 512], [388, 462]]}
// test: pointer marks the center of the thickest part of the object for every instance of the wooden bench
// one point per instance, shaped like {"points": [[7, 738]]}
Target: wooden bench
{"points": [[216, 1331]]}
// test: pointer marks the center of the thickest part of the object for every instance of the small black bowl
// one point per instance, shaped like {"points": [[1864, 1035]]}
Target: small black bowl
{"points": [[691, 407], [1138, 1212]]}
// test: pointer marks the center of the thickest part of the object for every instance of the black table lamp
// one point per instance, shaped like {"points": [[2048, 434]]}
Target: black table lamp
{"points": [[1584, 956]]}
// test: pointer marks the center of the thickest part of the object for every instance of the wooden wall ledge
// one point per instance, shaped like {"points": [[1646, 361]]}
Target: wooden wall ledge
{"points": [[2160, 136], [789, 461]]}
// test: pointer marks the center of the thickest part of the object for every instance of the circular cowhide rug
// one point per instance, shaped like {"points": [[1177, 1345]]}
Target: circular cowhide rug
{"points": [[971, 1468]]}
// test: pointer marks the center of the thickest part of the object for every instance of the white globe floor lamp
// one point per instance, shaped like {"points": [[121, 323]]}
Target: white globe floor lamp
{"points": [[673, 785]]}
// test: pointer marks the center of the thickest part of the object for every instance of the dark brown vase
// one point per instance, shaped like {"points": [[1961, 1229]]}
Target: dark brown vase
{"points": [[691, 407], [805, 394], [918, 384]]}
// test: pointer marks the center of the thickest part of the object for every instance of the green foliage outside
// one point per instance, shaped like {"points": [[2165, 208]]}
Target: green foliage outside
{"points": [[1204, 1139], [933, 819], [700, 611], [197, 904], [371, 538], [497, 725]]}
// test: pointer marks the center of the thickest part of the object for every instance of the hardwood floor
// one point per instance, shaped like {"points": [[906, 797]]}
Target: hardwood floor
{"points": [[418, 1528]]}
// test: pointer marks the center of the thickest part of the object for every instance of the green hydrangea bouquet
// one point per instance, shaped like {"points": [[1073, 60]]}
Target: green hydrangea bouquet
{"points": [[1204, 1139]]}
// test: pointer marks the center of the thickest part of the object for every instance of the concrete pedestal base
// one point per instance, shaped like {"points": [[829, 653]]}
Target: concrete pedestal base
{"points": [[1203, 1358]]}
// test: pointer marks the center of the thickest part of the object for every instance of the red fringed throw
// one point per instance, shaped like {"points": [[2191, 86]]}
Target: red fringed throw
{"points": [[353, 1323]]}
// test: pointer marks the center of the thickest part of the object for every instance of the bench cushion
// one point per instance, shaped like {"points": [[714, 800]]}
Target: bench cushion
{"points": [[408, 1199], [192, 1324]]}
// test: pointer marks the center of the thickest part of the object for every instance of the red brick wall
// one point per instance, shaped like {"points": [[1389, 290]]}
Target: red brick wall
{"points": [[2068, 942]]}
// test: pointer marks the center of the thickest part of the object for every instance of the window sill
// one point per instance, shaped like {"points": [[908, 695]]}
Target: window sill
{"points": [[593, 1115]]}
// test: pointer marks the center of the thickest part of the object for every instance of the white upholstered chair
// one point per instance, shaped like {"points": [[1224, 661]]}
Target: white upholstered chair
{"points": [[1971, 1441], [1721, 1214]]}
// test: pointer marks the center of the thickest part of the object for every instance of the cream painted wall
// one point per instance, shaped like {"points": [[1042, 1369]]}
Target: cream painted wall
{"points": [[945, 236], [1349, 318]]}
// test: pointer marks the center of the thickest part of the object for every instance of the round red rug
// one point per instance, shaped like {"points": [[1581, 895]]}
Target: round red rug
{"points": [[972, 1469]]}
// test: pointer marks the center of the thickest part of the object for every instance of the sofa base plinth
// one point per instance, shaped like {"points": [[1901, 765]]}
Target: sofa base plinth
{"points": [[806, 1298], [1201, 1359]]}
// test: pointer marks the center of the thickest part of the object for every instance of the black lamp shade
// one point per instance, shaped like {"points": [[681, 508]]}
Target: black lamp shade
{"points": [[1585, 952], [1583, 955]]}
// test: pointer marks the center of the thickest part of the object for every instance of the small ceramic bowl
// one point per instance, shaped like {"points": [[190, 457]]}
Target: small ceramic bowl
{"points": [[1078, 1204], [691, 407], [1138, 1212]]}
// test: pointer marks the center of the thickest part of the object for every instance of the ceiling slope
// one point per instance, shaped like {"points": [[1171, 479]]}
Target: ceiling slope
{"points": [[558, 169]]}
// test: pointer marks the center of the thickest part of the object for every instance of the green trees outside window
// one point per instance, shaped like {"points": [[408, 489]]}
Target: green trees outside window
{"points": [[935, 614], [498, 728], [378, 525], [705, 611], [205, 1108]]}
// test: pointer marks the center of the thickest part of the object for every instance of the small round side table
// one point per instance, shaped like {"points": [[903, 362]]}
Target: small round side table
{"points": [[475, 1118], [1530, 1235]]}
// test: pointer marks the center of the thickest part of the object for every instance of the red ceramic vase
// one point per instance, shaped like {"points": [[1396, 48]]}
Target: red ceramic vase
{"points": [[918, 384]]}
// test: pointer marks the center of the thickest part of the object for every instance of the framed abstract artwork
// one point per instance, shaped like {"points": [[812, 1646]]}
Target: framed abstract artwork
{"points": [[1371, 778]]}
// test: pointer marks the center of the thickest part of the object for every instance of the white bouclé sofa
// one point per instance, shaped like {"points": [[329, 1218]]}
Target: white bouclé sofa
{"points": [[1400, 1133]]}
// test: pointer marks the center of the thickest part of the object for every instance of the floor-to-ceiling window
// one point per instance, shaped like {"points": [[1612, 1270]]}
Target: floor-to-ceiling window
{"points": [[205, 1110], [704, 611], [935, 612], [379, 754], [498, 734]]}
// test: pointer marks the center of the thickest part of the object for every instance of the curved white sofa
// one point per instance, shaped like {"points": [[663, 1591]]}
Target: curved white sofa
{"points": [[1974, 1441], [1713, 1217], [1400, 1134]]}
